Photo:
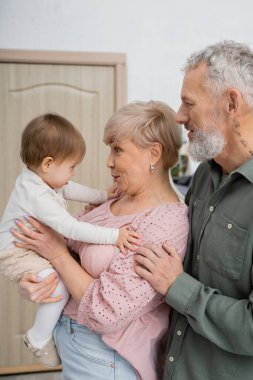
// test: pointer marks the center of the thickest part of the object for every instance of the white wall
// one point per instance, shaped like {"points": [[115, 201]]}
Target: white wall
{"points": [[156, 35]]}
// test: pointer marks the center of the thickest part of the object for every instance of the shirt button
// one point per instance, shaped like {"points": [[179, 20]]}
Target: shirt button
{"points": [[211, 208], [171, 359], [179, 332], [230, 226], [198, 257]]}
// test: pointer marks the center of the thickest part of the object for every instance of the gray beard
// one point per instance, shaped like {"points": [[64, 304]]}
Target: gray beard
{"points": [[206, 145]]}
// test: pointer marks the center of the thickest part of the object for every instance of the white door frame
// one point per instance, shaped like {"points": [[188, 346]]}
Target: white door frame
{"points": [[116, 60]]}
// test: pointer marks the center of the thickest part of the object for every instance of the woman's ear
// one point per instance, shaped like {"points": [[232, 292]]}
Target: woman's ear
{"points": [[156, 151], [46, 164]]}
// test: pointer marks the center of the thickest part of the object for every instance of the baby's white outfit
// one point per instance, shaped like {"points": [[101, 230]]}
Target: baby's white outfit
{"points": [[33, 197]]}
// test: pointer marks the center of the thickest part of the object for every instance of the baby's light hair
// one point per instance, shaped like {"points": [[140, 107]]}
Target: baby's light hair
{"points": [[51, 135], [145, 123]]}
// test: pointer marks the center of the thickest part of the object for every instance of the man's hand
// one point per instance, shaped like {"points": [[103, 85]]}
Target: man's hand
{"points": [[159, 266]]}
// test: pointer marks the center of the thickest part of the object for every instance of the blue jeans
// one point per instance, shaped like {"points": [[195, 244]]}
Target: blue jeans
{"points": [[85, 357]]}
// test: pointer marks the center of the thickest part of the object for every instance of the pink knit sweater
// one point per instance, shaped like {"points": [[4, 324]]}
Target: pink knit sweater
{"points": [[119, 305]]}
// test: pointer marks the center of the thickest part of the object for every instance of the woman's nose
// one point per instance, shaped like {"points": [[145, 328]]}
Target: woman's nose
{"points": [[109, 162]]}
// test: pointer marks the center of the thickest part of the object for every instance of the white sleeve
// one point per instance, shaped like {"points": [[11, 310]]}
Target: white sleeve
{"points": [[76, 192], [47, 210]]}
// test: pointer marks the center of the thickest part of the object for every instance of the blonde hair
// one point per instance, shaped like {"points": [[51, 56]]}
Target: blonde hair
{"points": [[50, 135], [145, 123]]}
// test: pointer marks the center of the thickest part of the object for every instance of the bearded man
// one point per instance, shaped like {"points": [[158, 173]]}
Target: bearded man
{"points": [[211, 331]]}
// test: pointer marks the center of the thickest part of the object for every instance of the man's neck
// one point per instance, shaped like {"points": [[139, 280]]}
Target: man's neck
{"points": [[238, 148]]}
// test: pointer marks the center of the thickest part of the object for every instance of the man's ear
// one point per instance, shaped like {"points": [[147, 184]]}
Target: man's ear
{"points": [[46, 164], [156, 151], [234, 101]]}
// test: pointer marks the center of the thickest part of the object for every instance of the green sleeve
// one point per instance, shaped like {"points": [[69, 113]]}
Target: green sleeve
{"points": [[225, 321]]}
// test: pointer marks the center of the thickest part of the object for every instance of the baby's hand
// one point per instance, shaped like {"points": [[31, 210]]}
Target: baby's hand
{"points": [[127, 239], [113, 192]]}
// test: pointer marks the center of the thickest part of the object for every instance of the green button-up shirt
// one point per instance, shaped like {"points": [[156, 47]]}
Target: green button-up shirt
{"points": [[211, 332]]}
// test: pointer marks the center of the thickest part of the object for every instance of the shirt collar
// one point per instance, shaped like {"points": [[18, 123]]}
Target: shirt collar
{"points": [[246, 170]]}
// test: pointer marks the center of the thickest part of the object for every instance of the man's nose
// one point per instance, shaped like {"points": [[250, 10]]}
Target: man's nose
{"points": [[182, 116]]}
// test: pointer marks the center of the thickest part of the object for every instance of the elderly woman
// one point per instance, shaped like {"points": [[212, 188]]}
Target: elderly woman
{"points": [[114, 320]]}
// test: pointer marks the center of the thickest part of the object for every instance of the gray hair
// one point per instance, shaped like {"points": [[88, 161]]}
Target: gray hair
{"points": [[229, 64]]}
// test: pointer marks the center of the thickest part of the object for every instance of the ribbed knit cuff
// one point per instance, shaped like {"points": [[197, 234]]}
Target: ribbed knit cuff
{"points": [[104, 196]]}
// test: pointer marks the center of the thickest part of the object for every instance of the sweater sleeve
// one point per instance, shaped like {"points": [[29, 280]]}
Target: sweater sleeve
{"points": [[76, 192], [120, 295], [47, 210]]}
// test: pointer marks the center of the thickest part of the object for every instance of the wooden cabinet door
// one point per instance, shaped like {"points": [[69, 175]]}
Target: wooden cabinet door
{"points": [[86, 94]]}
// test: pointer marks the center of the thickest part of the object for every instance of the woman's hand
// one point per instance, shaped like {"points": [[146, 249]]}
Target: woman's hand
{"points": [[51, 245], [34, 289], [45, 241]]}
